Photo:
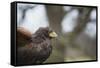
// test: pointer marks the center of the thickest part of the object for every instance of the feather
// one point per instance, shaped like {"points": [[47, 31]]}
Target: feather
{"points": [[37, 48]]}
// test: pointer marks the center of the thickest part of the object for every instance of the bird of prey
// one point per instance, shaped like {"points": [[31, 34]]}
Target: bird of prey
{"points": [[34, 48]]}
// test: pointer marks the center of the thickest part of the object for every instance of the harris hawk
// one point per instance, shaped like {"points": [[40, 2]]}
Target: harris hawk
{"points": [[34, 48]]}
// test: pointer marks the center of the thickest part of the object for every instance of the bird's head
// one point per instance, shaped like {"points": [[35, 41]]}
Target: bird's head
{"points": [[46, 32]]}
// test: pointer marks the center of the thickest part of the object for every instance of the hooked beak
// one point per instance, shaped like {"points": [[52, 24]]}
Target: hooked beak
{"points": [[53, 34]]}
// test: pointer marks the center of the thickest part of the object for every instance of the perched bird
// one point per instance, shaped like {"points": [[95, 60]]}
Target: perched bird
{"points": [[34, 48]]}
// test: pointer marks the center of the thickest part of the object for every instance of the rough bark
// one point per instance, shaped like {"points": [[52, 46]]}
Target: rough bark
{"points": [[55, 15]]}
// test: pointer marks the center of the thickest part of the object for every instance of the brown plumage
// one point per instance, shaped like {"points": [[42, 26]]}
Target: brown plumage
{"points": [[36, 47]]}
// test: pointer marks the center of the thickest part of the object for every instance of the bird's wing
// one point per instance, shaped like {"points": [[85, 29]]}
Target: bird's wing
{"points": [[23, 36], [34, 53], [25, 55]]}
